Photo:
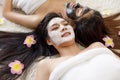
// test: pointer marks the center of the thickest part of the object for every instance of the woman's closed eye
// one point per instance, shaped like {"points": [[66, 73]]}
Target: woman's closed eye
{"points": [[54, 27]]}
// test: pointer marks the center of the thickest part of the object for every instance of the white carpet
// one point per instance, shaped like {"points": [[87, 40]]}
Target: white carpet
{"points": [[111, 6]]}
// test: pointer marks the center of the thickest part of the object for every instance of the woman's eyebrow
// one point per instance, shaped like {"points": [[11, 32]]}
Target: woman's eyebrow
{"points": [[54, 25]]}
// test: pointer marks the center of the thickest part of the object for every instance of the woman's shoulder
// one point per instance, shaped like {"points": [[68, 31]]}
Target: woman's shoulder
{"points": [[48, 63], [97, 45], [43, 63], [42, 70], [94, 46]]}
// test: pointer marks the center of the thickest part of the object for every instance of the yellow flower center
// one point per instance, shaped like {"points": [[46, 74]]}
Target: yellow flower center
{"points": [[1, 21], [107, 12], [29, 40], [109, 41], [17, 67]]}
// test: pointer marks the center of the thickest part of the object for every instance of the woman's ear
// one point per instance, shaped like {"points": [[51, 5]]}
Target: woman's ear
{"points": [[49, 42]]}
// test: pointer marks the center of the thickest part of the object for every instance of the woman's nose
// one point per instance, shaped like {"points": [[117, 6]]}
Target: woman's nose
{"points": [[63, 29]]}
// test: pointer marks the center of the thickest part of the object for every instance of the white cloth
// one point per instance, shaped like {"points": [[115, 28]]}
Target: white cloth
{"points": [[94, 64], [28, 6]]}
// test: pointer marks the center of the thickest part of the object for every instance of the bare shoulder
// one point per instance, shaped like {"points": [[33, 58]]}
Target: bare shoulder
{"points": [[43, 70], [43, 64], [96, 45], [49, 63]]}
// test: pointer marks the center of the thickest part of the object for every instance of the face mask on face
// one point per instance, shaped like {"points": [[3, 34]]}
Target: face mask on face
{"points": [[60, 32], [71, 10], [75, 11]]}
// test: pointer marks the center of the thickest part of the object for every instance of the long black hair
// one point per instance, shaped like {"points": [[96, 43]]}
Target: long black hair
{"points": [[12, 48], [91, 26], [91, 29], [96, 27]]}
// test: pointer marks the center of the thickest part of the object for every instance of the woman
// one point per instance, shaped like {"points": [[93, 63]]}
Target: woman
{"points": [[59, 38], [34, 16], [93, 27], [34, 10], [55, 36]]}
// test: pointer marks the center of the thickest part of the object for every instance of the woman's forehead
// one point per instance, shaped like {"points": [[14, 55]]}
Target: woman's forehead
{"points": [[55, 20]]}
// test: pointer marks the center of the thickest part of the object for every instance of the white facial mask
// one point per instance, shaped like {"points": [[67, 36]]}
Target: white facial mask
{"points": [[56, 35]]}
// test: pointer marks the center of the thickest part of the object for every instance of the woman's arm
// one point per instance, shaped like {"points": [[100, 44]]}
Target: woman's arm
{"points": [[30, 21]]}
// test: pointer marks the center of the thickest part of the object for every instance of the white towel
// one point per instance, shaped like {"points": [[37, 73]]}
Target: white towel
{"points": [[28, 6], [95, 64]]}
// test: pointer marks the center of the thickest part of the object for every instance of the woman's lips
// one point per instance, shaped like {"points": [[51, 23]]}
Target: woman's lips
{"points": [[66, 34]]}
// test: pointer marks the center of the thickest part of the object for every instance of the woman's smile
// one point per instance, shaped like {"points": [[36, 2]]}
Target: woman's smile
{"points": [[66, 34]]}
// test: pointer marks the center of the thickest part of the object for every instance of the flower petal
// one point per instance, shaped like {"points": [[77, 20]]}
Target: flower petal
{"points": [[16, 67], [108, 41], [29, 41], [119, 33]]}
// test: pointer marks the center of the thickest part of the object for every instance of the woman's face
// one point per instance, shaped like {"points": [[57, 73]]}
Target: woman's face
{"points": [[86, 13], [76, 11], [59, 31]]}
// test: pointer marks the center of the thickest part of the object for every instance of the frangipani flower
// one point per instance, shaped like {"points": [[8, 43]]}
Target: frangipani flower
{"points": [[108, 41], [119, 33], [106, 12], [29, 41], [16, 67], [1, 20]]}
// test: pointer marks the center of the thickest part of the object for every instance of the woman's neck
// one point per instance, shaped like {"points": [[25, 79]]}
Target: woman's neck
{"points": [[69, 51]]}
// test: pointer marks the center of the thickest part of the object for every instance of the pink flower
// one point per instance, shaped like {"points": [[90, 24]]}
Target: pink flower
{"points": [[106, 12], [119, 33], [29, 41], [108, 41], [16, 67]]}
